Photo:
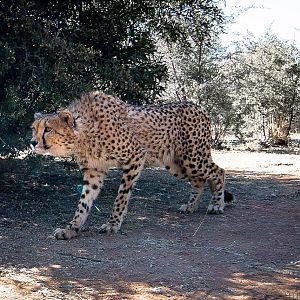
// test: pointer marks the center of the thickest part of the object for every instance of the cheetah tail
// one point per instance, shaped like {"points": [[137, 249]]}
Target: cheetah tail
{"points": [[228, 198]]}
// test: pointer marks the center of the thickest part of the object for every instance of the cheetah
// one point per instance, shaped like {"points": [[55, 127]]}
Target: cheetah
{"points": [[102, 132]]}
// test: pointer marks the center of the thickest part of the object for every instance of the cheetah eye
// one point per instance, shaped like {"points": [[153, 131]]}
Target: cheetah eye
{"points": [[48, 129]]}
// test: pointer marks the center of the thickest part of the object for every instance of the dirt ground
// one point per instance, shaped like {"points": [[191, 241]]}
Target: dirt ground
{"points": [[250, 252]]}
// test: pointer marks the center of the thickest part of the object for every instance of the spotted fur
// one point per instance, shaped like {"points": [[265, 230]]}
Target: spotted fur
{"points": [[103, 132]]}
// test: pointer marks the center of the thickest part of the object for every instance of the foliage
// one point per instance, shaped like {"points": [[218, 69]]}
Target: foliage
{"points": [[52, 51], [144, 52], [267, 76], [251, 92]]}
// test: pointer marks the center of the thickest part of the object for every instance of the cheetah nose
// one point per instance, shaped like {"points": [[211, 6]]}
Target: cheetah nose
{"points": [[33, 144]]}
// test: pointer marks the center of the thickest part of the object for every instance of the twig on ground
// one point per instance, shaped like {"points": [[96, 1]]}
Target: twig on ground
{"points": [[79, 257]]}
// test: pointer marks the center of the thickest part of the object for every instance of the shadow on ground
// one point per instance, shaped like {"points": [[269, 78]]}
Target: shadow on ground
{"points": [[250, 252]]}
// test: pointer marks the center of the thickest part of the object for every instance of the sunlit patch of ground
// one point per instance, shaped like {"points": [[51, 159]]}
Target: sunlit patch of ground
{"points": [[28, 283], [282, 284], [258, 162]]}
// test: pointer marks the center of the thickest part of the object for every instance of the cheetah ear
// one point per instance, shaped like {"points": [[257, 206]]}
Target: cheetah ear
{"points": [[67, 117], [38, 116]]}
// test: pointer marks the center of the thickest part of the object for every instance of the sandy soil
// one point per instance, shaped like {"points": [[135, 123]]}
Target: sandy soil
{"points": [[265, 163], [250, 252]]}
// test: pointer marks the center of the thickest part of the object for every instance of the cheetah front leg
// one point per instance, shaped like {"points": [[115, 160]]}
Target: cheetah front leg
{"points": [[131, 172], [92, 182]]}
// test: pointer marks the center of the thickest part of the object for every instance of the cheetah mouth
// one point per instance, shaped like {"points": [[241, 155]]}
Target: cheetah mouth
{"points": [[33, 148], [42, 151]]}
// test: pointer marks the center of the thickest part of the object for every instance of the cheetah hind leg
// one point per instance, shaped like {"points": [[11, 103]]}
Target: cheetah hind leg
{"points": [[198, 186], [216, 183], [193, 203]]}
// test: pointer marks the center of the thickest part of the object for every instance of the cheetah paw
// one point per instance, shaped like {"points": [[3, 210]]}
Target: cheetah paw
{"points": [[110, 228], [215, 209], [64, 233], [187, 209]]}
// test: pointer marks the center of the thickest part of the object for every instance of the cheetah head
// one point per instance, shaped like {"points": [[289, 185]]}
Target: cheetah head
{"points": [[53, 134]]}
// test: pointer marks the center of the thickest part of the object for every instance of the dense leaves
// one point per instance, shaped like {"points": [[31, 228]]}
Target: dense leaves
{"points": [[52, 51], [144, 52], [266, 76], [251, 92]]}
